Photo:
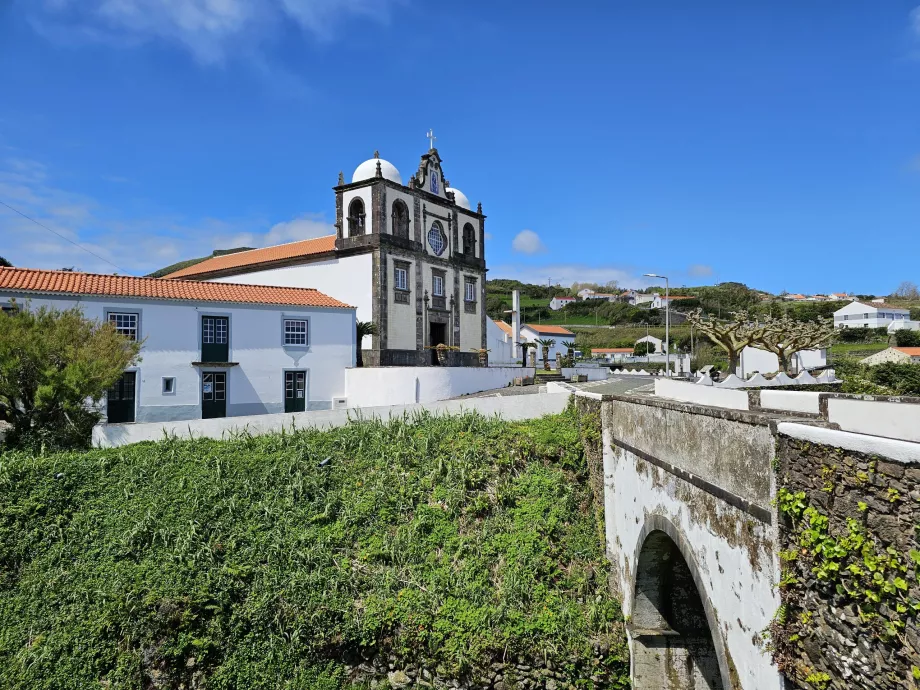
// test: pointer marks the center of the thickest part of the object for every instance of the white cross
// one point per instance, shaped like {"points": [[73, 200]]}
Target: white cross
{"points": [[431, 137]]}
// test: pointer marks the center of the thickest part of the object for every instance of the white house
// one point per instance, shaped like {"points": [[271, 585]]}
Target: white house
{"points": [[639, 298], [584, 294], [410, 257], [209, 349], [898, 355], [557, 303], [605, 296], [864, 315], [531, 332], [612, 354], [754, 359], [660, 301]]}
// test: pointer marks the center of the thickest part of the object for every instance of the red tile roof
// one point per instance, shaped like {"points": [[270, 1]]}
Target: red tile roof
{"points": [[255, 257], [504, 326], [912, 351], [549, 330], [30, 280]]}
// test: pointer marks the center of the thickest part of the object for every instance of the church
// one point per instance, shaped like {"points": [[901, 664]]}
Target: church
{"points": [[410, 258]]}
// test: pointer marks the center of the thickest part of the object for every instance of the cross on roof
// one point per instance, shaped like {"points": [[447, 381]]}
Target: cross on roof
{"points": [[431, 138]]}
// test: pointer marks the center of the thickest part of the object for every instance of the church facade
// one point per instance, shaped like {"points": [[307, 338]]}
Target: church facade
{"points": [[410, 257]]}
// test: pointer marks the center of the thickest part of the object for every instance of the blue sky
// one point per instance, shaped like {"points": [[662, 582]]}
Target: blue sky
{"points": [[777, 144]]}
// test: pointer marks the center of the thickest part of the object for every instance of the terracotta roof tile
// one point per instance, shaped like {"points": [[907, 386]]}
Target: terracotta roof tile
{"points": [[32, 280], [504, 326], [554, 330], [912, 351], [254, 257]]}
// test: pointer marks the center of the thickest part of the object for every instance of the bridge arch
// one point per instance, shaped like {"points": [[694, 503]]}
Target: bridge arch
{"points": [[677, 644]]}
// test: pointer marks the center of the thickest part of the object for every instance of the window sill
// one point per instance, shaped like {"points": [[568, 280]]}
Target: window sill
{"points": [[303, 348], [221, 365]]}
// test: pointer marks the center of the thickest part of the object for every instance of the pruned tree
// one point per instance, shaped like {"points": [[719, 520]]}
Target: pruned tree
{"points": [[907, 290], [732, 335], [784, 336], [52, 363]]}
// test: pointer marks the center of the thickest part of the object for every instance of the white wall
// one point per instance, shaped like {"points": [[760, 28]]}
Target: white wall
{"points": [[365, 194], [702, 395], [897, 420], [793, 401], [511, 408], [347, 279], [754, 359], [171, 332], [499, 343], [375, 386]]}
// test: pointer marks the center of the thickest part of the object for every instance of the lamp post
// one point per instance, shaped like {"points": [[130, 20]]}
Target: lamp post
{"points": [[667, 321]]}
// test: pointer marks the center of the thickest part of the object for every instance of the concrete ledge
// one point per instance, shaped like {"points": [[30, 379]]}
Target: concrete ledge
{"points": [[701, 395], [793, 401], [511, 408], [893, 449], [892, 419]]}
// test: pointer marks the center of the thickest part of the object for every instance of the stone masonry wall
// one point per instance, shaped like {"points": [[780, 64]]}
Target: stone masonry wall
{"points": [[850, 557]]}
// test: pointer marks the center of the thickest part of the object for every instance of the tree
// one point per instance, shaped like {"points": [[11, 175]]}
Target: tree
{"points": [[52, 363], [5, 263], [525, 346], [362, 328], [569, 346], [644, 348], [906, 338], [907, 290], [732, 335], [546, 344], [784, 336]]}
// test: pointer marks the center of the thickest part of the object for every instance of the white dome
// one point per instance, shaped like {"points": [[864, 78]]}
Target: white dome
{"points": [[460, 198], [368, 169]]}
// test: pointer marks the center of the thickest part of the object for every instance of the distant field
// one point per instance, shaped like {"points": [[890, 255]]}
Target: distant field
{"points": [[856, 349], [621, 336]]}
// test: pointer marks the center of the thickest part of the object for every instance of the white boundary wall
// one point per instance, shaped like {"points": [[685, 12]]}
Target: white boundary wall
{"points": [[876, 417], [376, 386], [793, 401], [701, 395], [513, 407]]}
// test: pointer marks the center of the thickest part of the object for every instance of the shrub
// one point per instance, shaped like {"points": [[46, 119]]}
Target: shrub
{"points": [[51, 363], [906, 338], [450, 541], [644, 348]]}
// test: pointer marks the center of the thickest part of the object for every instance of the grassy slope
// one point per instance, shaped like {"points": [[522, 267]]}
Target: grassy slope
{"points": [[445, 541]]}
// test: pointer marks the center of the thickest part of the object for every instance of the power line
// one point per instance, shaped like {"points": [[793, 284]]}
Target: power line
{"points": [[76, 244]]}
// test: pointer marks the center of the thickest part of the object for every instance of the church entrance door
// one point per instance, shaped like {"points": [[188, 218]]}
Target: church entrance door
{"points": [[437, 335]]}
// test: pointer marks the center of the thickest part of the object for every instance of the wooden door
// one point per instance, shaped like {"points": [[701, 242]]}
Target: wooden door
{"points": [[120, 399], [295, 391]]}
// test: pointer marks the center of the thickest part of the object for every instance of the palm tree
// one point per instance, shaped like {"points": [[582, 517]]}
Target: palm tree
{"points": [[363, 328], [546, 344], [525, 346], [569, 346]]}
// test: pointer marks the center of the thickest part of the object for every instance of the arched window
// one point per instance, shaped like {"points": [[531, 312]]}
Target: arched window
{"points": [[469, 240], [355, 218], [400, 219], [436, 239]]}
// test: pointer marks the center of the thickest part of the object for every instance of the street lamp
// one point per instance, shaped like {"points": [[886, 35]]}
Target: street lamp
{"points": [[667, 321]]}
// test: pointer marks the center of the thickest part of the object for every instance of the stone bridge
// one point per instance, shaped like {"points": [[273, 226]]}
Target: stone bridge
{"points": [[694, 536]]}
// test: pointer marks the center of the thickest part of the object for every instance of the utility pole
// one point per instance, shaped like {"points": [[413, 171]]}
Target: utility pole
{"points": [[667, 321]]}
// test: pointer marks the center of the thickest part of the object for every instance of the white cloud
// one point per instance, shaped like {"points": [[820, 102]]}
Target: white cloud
{"points": [[915, 22], [210, 29], [136, 245], [528, 242], [699, 270]]}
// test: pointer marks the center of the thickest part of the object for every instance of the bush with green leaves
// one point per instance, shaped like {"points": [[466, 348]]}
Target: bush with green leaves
{"points": [[906, 338], [256, 562], [55, 367]]}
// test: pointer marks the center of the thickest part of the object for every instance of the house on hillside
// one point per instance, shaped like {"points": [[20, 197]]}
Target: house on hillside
{"points": [[657, 342], [795, 297], [840, 296], [557, 303], [605, 296], [660, 301], [897, 355], [584, 294], [531, 332], [858, 314], [209, 349], [410, 257]]}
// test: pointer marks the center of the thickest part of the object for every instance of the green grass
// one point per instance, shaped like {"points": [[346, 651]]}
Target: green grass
{"points": [[450, 542], [854, 349]]}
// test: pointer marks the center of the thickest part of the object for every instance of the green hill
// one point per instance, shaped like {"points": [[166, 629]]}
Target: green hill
{"points": [[448, 544], [191, 262]]}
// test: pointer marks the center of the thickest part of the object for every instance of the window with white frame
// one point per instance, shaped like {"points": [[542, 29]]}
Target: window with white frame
{"points": [[437, 286], [125, 324], [470, 290], [295, 332], [401, 278]]}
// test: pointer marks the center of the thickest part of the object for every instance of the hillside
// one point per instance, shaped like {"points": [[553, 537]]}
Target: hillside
{"points": [[191, 262], [463, 547]]}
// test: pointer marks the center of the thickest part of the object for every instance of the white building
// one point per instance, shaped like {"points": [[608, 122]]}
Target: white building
{"points": [[605, 296], [657, 342], [584, 294], [557, 303], [410, 257], [660, 301], [897, 355], [612, 354], [531, 332], [754, 359], [209, 349], [903, 325], [500, 343], [865, 315]]}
